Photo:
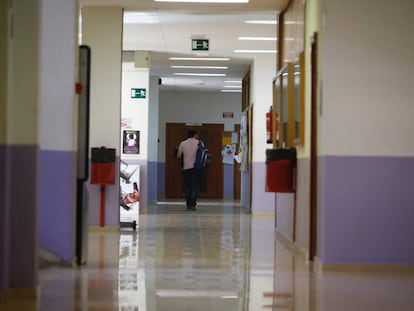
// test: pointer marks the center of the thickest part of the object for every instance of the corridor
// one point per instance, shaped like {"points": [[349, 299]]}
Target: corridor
{"points": [[217, 258]]}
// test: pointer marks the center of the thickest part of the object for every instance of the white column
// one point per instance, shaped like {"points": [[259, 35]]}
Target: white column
{"points": [[263, 71], [102, 32]]}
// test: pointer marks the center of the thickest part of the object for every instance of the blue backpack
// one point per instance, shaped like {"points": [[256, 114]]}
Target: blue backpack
{"points": [[203, 157]]}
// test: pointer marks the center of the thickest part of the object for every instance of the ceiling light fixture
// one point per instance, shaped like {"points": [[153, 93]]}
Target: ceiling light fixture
{"points": [[255, 51], [233, 81], [200, 74], [232, 86], [201, 58], [201, 67], [231, 91], [264, 22], [258, 38], [206, 1]]}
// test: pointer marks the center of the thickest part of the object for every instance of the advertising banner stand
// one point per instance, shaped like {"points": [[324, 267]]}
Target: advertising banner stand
{"points": [[129, 195]]}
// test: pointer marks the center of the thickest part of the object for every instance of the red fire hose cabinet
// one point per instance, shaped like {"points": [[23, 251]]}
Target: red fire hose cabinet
{"points": [[280, 170]]}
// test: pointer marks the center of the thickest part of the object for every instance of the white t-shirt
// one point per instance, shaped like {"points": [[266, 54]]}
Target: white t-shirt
{"points": [[188, 149]]}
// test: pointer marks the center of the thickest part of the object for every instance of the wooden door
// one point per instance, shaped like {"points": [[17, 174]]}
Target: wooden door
{"points": [[211, 182]]}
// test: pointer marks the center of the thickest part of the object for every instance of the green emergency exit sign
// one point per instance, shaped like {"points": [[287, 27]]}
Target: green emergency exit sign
{"points": [[200, 44], [138, 93]]}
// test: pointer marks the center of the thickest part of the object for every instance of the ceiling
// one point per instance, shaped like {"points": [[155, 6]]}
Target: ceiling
{"points": [[167, 29]]}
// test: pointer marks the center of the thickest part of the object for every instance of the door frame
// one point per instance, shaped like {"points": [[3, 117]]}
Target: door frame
{"points": [[314, 150]]}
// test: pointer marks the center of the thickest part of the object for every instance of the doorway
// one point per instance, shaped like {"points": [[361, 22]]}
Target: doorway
{"points": [[211, 182]]}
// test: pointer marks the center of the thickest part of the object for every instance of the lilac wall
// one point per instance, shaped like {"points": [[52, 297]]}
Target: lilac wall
{"points": [[4, 236], [22, 203], [261, 201], [367, 210], [161, 180], [228, 181], [57, 200], [152, 181]]}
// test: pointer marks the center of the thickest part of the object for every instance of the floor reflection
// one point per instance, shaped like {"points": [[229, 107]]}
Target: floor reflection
{"points": [[131, 286], [218, 258], [196, 261]]}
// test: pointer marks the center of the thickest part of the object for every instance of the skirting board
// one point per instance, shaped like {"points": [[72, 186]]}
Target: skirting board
{"points": [[103, 229], [361, 268], [319, 266]]}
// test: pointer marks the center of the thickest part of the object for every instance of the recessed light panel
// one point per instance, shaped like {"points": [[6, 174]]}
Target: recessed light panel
{"points": [[225, 59], [205, 1]]}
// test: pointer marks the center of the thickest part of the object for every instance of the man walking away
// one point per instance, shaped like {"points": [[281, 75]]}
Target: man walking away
{"points": [[188, 150]]}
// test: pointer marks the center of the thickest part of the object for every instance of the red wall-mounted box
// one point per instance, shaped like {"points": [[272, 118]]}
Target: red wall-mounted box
{"points": [[280, 170], [103, 166]]}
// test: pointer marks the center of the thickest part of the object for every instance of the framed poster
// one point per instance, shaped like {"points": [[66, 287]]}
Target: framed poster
{"points": [[130, 142]]}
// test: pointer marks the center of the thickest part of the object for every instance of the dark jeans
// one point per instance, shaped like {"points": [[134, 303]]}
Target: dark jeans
{"points": [[190, 186]]}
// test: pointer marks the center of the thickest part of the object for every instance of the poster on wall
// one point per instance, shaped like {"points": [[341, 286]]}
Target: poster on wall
{"points": [[227, 153], [244, 144], [126, 123], [130, 142]]}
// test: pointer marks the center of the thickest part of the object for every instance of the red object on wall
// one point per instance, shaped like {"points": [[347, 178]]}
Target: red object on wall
{"points": [[103, 173], [280, 170], [103, 166], [279, 176]]}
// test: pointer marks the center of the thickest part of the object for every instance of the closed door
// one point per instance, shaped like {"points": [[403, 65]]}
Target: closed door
{"points": [[211, 182]]}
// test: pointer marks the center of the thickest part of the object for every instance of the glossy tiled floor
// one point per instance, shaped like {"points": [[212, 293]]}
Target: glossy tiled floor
{"points": [[217, 258]]}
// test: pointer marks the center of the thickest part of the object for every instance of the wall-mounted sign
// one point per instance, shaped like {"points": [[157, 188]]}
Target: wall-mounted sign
{"points": [[200, 44], [138, 93], [228, 114]]}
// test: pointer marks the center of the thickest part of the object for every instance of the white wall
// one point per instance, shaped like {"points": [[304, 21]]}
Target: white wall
{"points": [[153, 113], [58, 76], [23, 71], [196, 107], [105, 42], [4, 30], [368, 93], [136, 109], [263, 70]]}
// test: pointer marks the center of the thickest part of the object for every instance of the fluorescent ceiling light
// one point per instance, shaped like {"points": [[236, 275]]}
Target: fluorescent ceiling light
{"points": [[201, 67], [182, 293], [201, 58], [232, 86], [233, 81], [200, 74], [293, 22], [206, 1], [258, 38], [231, 91], [264, 22], [255, 51]]}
